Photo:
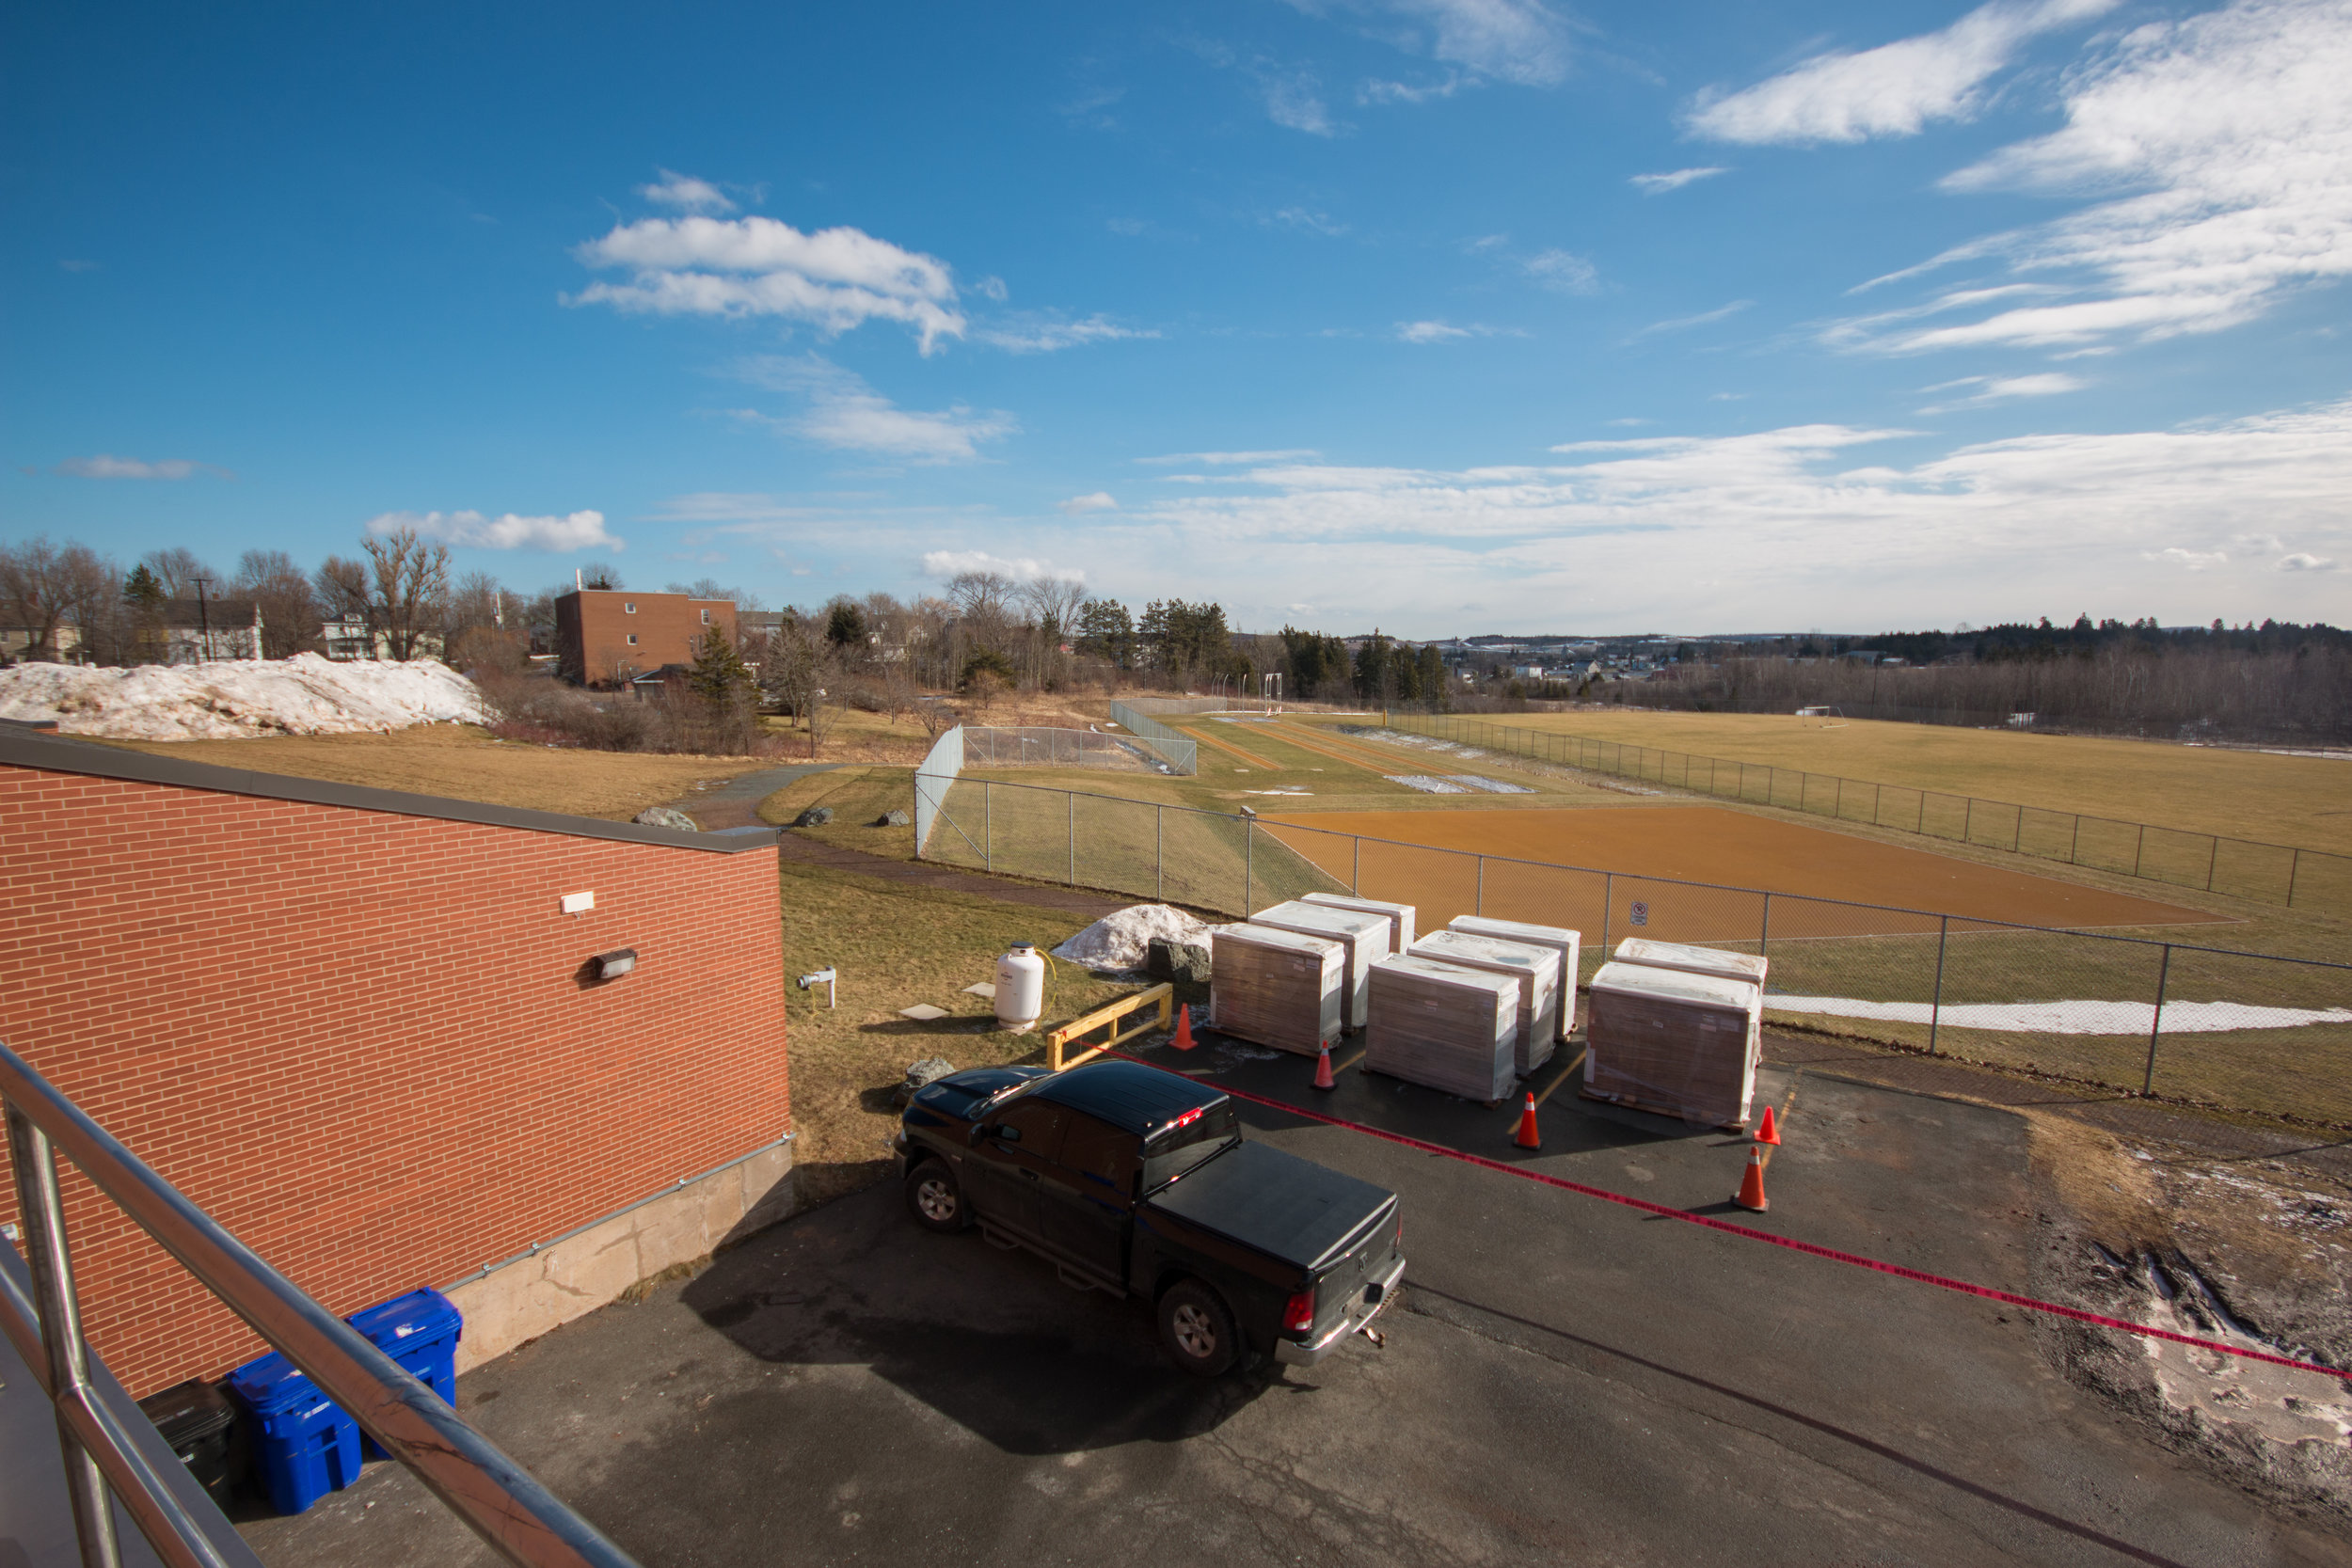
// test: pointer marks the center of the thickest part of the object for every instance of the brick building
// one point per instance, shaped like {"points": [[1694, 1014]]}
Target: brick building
{"points": [[607, 636], [360, 1028]]}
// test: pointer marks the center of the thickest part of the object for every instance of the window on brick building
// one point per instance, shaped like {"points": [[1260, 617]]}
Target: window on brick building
{"points": [[632, 640], [627, 607], [706, 617]]}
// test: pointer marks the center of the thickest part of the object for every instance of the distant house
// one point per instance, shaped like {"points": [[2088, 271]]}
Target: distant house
{"points": [[18, 643], [609, 636]]}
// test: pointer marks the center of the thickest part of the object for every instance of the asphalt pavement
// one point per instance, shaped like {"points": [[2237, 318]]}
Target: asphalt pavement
{"points": [[1564, 1380]]}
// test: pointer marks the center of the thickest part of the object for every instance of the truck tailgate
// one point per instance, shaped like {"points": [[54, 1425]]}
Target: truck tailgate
{"points": [[1275, 1203]]}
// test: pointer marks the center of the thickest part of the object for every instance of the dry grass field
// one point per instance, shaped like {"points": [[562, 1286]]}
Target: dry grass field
{"points": [[2238, 794], [465, 763]]}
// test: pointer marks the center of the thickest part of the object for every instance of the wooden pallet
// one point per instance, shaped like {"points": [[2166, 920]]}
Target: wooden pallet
{"points": [[1633, 1102]]}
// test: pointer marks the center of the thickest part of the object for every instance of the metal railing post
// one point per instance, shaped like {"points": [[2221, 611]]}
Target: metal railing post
{"points": [[1764, 937], [2212, 857], [988, 828], [2139, 846], [1478, 899], [1159, 850], [1355, 873], [1608, 903], [1968, 822], [2155, 1022], [1072, 799], [1249, 860], [1935, 1010], [2074, 843], [41, 1210], [2292, 867]]}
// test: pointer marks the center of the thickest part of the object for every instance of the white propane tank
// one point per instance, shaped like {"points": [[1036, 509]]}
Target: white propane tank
{"points": [[1020, 989]]}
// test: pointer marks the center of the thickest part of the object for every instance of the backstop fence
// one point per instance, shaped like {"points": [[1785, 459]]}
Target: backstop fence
{"points": [[1179, 752], [2132, 1013], [2243, 868]]}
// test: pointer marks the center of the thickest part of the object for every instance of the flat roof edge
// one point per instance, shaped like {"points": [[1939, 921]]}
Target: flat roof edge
{"points": [[55, 753]]}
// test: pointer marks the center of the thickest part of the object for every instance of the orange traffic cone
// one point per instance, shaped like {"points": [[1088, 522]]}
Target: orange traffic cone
{"points": [[1768, 1134], [1527, 1136], [1184, 1040], [1323, 1071], [1751, 1193]]}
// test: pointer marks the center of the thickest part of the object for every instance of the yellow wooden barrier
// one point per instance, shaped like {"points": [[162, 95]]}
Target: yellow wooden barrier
{"points": [[1163, 995]]}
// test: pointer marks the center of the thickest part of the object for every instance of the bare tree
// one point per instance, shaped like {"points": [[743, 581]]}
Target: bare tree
{"points": [[985, 596], [46, 588], [710, 588], [599, 574], [343, 589], [288, 603], [410, 580], [177, 569]]}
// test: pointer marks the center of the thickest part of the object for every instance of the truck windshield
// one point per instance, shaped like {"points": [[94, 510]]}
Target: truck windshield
{"points": [[1173, 1150]]}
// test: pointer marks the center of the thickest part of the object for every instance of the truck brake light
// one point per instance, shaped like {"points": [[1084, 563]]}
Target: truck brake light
{"points": [[1299, 1316]]}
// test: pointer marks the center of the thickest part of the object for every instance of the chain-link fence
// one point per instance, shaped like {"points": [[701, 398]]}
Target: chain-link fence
{"points": [[2136, 1015], [1037, 745], [2243, 868], [1179, 752]]}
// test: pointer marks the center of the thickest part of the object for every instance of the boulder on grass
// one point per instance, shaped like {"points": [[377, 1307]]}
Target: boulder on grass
{"points": [[893, 819], [816, 816], [666, 816], [922, 1072], [1179, 961]]}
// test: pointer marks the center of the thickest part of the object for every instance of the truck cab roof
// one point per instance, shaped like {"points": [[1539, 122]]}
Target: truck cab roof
{"points": [[1128, 1095]]}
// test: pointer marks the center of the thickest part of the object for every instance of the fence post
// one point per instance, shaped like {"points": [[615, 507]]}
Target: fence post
{"points": [[1159, 850], [1935, 1011], [1074, 838], [1876, 792], [1968, 822], [1356, 872], [1249, 860], [2155, 1022], [2074, 843], [1764, 937], [1838, 808], [1608, 897], [1478, 899], [2138, 844], [2292, 867], [988, 827], [2212, 856]]}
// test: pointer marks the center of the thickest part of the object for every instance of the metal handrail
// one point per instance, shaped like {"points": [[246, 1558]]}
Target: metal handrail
{"points": [[521, 1520]]}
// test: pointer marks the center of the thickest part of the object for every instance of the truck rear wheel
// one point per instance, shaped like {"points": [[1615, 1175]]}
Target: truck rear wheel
{"points": [[1197, 1329], [935, 1198]]}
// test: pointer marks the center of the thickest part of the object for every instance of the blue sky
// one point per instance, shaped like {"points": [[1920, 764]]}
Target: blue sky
{"points": [[1443, 315]]}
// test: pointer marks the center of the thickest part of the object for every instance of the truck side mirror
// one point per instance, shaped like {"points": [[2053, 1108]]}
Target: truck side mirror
{"points": [[979, 1131]]}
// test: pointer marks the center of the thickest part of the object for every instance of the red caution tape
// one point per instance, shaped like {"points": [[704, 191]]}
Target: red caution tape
{"points": [[2027, 1302]]}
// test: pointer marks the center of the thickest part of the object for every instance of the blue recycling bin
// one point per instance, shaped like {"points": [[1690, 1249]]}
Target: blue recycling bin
{"points": [[303, 1443], [420, 1331]]}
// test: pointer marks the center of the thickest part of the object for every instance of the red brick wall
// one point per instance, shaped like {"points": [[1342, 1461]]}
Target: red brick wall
{"points": [[358, 1040], [594, 625]]}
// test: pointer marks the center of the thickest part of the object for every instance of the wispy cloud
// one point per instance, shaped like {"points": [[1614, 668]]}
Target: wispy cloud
{"points": [[1523, 41], [105, 465], [1658, 184], [2191, 561], [950, 563], [1705, 318], [843, 412], [1564, 272], [2002, 389], [1100, 500], [835, 279], [1893, 91], [1313, 222], [2301, 562], [1229, 459], [2233, 132], [76, 265], [1294, 99], [508, 530], [686, 193], [1047, 334]]}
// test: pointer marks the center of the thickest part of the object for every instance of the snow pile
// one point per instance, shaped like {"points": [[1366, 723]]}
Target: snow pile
{"points": [[302, 695], [1120, 941], [2070, 1018]]}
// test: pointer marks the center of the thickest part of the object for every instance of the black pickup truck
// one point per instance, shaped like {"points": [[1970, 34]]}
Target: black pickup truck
{"points": [[1137, 1181]]}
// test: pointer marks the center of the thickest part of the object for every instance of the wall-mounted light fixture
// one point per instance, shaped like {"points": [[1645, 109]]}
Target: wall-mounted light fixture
{"points": [[613, 965]]}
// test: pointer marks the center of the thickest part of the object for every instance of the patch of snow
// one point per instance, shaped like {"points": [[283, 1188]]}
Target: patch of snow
{"points": [[1120, 940], [240, 698], [2070, 1018], [1425, 783], [1492, 787]]}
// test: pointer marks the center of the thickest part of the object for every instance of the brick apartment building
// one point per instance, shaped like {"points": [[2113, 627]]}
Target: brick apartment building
{"points": [[361, 1029], [605, 637]]}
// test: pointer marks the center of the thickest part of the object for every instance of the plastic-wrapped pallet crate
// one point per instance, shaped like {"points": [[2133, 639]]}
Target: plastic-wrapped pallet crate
{"points": [[1444, 1026], [1671, 1042], [1276, 988], [1705, 961], [1536, 969], [1400, 915], [1558, 938], [1365, 935]]}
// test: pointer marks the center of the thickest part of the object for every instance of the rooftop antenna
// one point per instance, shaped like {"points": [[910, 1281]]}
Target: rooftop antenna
{"points": [[577, 586]]}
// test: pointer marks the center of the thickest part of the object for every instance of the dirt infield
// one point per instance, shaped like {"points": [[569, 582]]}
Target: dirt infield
{"points": [[1694, 842]]}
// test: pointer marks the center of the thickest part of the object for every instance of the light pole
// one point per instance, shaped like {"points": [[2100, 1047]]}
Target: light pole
{"points": [[204, 622]]}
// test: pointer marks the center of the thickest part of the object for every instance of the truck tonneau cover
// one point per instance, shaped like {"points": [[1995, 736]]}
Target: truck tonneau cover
{"points": [[1277, 1203]]}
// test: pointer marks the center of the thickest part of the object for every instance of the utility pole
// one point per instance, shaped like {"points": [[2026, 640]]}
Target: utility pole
{"points": [[204, 622]]}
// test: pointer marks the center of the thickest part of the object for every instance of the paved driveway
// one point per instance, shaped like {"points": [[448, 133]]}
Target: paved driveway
{"points": [[1564, 1380]]}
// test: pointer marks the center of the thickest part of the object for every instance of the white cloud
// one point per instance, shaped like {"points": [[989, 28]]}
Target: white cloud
{"points": [[1294, 100], [2001, 389], [1705, 318], [1100, 500], [948, 564], [1377, 91], [845, 413], [1231, 459], [686, 193], [1658, 184], [105, 465], [1041, 334], [1564, 271], [1793, 526], [834, 279], [2233, 130], [508, 530], [1430, 332], [1893, 91], [1300, 217], [2301, 563], [1523, 41]]}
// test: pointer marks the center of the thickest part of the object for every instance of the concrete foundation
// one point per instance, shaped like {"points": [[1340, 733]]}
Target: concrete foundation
{"points": [[525, 1297]]}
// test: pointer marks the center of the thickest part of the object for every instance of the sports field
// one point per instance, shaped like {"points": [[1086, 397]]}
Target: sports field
{"points": [[1695, 844], [2261, 796]]}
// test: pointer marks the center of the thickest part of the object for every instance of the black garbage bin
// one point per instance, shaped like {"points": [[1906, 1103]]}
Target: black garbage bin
{"points": [[199, 1423]]}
